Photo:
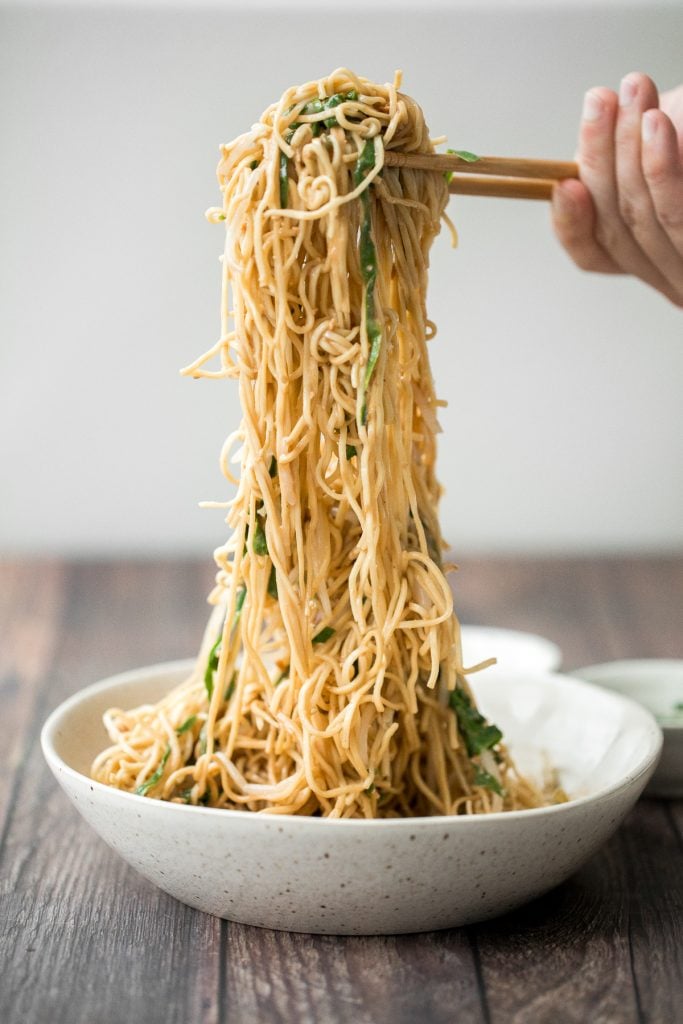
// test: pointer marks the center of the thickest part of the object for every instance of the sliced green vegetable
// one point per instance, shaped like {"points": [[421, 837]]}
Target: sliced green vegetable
{"points": [[325, 633], [239, 604], [259, 543], [284, 181], [272, 583], [484, 778], [368, 271], [214, 653], [469, 158], [212, 665], [187, 724], [477, 732], [144, 788], [230, 688]]}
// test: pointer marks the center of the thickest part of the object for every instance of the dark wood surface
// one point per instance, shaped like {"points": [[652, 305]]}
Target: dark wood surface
{"points": [[85, 940]]}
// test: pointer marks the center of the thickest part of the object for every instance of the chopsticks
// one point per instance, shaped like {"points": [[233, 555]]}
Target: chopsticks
{"points": [[507, 177]]}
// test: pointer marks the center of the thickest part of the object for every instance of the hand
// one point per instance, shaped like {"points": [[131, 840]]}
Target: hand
{"points": [[625, 214]]}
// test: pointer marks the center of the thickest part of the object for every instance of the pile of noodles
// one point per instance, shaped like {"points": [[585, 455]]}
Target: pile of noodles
{"points": [[330, 678]]}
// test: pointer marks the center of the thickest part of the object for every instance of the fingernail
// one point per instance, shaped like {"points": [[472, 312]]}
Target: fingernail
{"points": [[627, 91], [648, 125], [592, 106]]}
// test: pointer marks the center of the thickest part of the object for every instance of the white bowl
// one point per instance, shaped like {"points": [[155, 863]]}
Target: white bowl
{"points": [[515, 651], [657, 683], [373, 877]]}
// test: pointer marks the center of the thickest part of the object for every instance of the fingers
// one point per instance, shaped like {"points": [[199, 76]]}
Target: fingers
{"points": [[574, 222], [637, 97], [663, 172], [598, 168], [625, 215]]}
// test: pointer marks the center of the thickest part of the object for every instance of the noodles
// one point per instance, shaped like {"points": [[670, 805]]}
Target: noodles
{"points": [[330, 678]]}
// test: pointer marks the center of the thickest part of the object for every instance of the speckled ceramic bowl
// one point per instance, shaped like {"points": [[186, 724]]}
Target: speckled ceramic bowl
{"points": [[373, 877]]}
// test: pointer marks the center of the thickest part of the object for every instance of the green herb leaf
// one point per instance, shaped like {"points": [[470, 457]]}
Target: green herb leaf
{"points": [[351, 451], [484, 778], [272, 583], [187, 724], [259, 543], [239, 604], [368, 270], [212, 665], [230, 688], [469, 158], [145, 787], [325, 633], [284, 180], [476, 731]]}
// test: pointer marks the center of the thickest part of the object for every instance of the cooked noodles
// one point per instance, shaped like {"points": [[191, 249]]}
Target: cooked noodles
{"points": [[330, 678]]}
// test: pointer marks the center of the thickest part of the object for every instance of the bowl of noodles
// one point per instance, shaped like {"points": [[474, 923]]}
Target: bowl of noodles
{"points": [[384, 875], [331, 761]]}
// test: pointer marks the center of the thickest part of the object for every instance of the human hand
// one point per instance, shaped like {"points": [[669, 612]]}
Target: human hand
{"points": [[625, 214]]}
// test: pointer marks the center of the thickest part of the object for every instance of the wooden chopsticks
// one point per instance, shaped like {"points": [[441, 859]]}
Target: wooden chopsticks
{"points": [[508, 177]]}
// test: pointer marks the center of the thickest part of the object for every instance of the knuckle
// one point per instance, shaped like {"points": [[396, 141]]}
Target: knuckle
{"points": [[657, 173], [629, 212], [671, 217]]}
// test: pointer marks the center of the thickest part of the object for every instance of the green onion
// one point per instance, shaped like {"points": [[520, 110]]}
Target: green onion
{"points": [[368, 271], [484, 778], [325, 633], [283, 675], [259, 543], [187, 724], [476, 731], [145, 787], [241, 594], [212, 665], [230, 689], [214, 653], [284, 180], [370, 788], [253, 165], [469, 158], [272, 469], [272, 583], [351, 451]]}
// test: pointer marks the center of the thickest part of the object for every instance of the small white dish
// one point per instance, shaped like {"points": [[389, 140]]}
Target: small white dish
{"points": [[657, 684], [514, 651], [355, 877]]}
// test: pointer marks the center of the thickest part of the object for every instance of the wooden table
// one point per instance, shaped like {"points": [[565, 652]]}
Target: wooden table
{"points": [[85, 940]]}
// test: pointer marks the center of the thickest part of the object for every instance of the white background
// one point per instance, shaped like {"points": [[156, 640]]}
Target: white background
{"points": [[564, 430]]}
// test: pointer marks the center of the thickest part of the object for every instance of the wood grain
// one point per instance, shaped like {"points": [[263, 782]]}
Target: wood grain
{"points": [[84, 939]]}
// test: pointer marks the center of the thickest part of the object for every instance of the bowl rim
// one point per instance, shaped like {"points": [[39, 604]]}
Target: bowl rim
{"points": [[549, 645], [652, 733], [605, 675]]}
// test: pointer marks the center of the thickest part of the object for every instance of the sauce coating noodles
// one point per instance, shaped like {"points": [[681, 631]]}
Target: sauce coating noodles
{"points": [[330, 678]]}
